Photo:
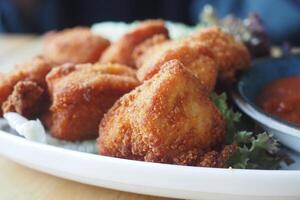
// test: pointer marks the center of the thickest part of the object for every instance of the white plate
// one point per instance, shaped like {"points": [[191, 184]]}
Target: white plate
{"points": [[154, 178], [148, 178]]}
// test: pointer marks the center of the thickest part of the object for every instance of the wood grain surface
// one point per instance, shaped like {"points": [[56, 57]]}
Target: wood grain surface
{"points": [[18, 182]]}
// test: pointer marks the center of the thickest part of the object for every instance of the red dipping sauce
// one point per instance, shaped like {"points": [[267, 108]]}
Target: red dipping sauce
{"points": [[282, 98]]}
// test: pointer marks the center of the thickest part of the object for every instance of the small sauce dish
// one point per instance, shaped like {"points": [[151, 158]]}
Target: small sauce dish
{"points": [[262, 72]]}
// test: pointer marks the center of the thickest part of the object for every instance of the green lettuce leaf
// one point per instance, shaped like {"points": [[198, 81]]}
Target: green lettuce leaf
{"points": [[254, 150], [231, 117]]}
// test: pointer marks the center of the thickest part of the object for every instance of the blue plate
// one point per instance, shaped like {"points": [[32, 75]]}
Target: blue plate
{"points": [[251, 83]]}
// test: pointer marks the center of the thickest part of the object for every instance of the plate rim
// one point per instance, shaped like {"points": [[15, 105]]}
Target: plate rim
{"points": [[194, 180], [7, 135]]}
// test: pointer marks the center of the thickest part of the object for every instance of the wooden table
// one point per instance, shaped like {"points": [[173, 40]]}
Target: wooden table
{"points": [[18, 182]]}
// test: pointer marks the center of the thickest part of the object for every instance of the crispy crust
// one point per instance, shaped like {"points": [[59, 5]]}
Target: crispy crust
{"points": [[121, 51], [167, 119], [231, 55], [81, 94], [195, 57], [27, 98], [217, 158], [140, 49], [34, 70], [76, 45]]}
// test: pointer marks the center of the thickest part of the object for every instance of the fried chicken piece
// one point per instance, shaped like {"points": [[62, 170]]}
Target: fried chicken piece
{"points": [[27, 98], [231, 55], [167, 119], [81, 94], [76, 45], [121, 51], [195, 57], [217, 158], [34, 70], [140, 49]]}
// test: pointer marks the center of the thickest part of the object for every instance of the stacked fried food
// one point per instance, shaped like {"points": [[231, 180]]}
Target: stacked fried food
{"points": [[210, 53], [12, 86], [81, 94], [77, 45], [122, 51], [146, 97], [169, 118]]}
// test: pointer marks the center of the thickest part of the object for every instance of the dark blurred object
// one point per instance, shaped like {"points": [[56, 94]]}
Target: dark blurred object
{"points": [[38, 16], [286, 48], [259, 45], [29, 16], [281, 17]]}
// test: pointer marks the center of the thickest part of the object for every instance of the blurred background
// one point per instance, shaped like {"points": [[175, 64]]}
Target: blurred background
{"points": [[281, 18]]}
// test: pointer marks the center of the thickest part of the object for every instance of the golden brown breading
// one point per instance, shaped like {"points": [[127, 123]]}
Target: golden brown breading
{"points": [[81, 94], [76, 45], [195, 57], [27, 98], [121, 51], [231, 55], [216, 158], [140, 49], [167, 119], [34, 70]]}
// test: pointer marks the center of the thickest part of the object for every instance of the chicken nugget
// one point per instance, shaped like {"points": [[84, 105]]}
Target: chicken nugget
{"points": [[76, 45], [81, 94], [195, 57], [121, 51], [231, 55], [34, 70], [140, 49], [27, 98], [167, 119]]}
